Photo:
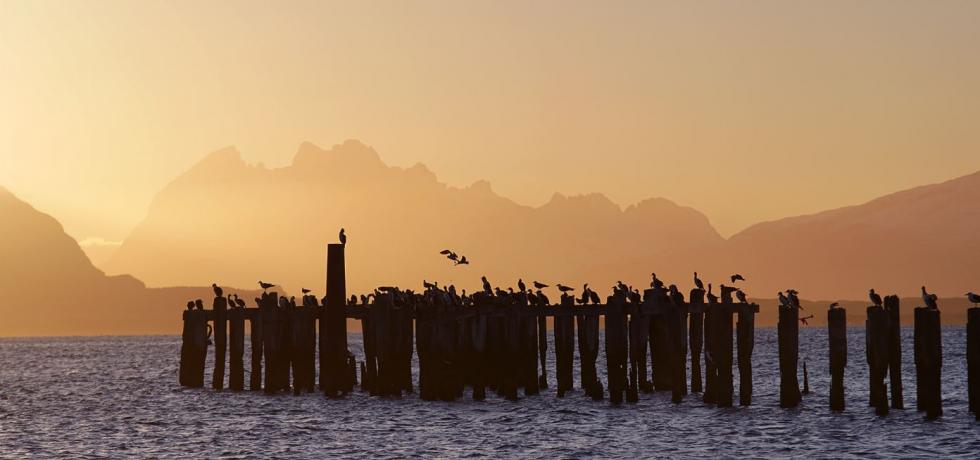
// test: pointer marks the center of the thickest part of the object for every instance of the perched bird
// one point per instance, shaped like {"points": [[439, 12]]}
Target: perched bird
{"points": [[520, 285], [655, 282], [343, 237], [486, 286], [594, 297], [741, 296], [973, 298], [305, 291], [190, 305], [265, 286], [239, 302], [783, 300], [199, 304], [875, 298], [697, 281], [834, 305], [542, 299], [931, 300], [463, 261], [803, 320], [794, 300], [737, 277], [217, 290], [564, 288], [712, 298], [538, 285], [428, 285], [532, 299]]}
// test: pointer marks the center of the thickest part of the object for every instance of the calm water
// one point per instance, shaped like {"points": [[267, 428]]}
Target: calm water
{"points": [[118, 397]]}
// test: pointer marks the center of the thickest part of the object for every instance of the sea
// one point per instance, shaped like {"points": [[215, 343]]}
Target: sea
{"points": [[118, 397]]}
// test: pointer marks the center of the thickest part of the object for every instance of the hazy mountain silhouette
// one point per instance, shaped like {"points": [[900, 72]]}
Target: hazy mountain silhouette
{"points": [[225, 218], [49, 287], [926, 235]]}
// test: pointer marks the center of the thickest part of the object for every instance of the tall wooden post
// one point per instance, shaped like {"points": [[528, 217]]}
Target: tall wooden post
{"points": [[236, 375], [193, 349], [745, 331], [837, 336], [696, 337], [973, 359], [723, 344], [616, 347], [334, 376], [788, 331], [257, 335], [220, 306], [930, 360], [877, 331], [639, 331], [564, 346], [543, 351], [588, 352], [894, 350], [271, 342]]}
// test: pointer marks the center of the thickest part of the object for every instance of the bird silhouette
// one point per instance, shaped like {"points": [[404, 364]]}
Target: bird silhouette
{"points": [[875, 298], [486, 285], [445, 252], [542, 299], [834, 305], [305, 291], [538, 285], [564, 288], [265, 286], [931, 300], [594, 296], [199, 304], [973, 298], [343, 237], [463, 261], [737, 277], [520, 285], [712, 298], [190, 305], [655, 282], [803, 320], [741, 296], [217, 290], [453, 257], [783, 300], [794, 300], [239, 302], [428, 285], [697, 281]]}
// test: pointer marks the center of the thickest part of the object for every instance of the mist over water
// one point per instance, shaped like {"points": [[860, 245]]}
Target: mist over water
{"points": [[119, 397]]}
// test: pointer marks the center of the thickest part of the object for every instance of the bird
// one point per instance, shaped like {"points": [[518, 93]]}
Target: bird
{"points": [[564, 288], [834, 305], [217, 290], [783, 300], [712, 298], [239, 302], [265, 285], [875, 298], [445, 252], [486, 286], [794, 300], [453, 257], [803, 320], [931, 300], [520, 285], [190, 305], [305, 291], [538, 285], [697, 281], [741, 296], [199, 304], [655, 282], [428, 285], [973, 298], [542, 299], [594, 297], [737, 277], [463, 261], [343, 237]]}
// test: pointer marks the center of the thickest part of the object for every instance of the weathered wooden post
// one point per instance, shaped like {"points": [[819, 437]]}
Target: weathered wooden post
{"points": [[877, 331], [696, 337], [639, 331], [193, 349], [511, 350], [370, 367], [672, 313], [723, 343], [564, 345], [220, 307], [616, 343], [588, 352], [929, 360], [788, 331], [837, 336], [710, 358], [334, 379], [745, 332], [257, 334], [272, 342], [660, 361], [381, 317], [973, 359], [543, 350], [529, 349], [479, 337], [236, 376], [894, 350]]}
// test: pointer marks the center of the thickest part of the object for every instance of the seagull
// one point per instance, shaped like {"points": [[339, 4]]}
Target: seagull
{"points": [[697, 281], [217, 290], [486, 285], [563, 288], [538, 285], [343, 237], [737, 277], [930, 299], [876, 299], [973, 298], [711, 297], [305, 291], [463, 261], [834, 305], [803, 320], [741, 296], [520, 285], [265, 286], [783, 300]]}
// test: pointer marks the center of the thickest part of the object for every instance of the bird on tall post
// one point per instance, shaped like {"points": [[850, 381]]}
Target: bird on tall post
{"points": [[486, 286], [973, 298], [875, 298], [190, 305], [834, 305], [697, 281], [737, 277], [343, 237], [594, 297], [655, 282], [521, 286], [740, 294], [783, 300], [931, 300], [199, 304], [539, 286], [794, 299], [265, 286], [217, 290], [305, 291], [712, 298], [564, 288]]}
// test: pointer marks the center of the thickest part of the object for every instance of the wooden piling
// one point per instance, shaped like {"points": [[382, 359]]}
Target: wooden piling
{"points": [[639, 338], [588, 352], [837, 337], [272, 343], [220, 310], [877, 333], [723, 343], [894, 351], [973, 359], [710, 359], [334, 379], [929, 362], [543, 351], [696, 336], [660, 362], [257, 334], [478, 329], [564, 331], [193, 349], [616, 347], [745, 333], [788, 331], [672, 313], [236, 375]]}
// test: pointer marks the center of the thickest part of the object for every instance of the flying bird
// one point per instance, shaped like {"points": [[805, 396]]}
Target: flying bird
{"points": [[453, 257], [538, 285], [343, 237], [876, 299], [803, 320], [931, 300], [737, 277], [697, 281], [265, 286], [463, 261], [973, 298], [217, 290], [445, 252]]}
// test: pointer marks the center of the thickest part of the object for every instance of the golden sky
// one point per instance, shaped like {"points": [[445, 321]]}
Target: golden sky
{"points": [[747, 111]]}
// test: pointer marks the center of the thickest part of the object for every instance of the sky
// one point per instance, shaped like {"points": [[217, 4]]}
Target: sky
{"points": [[746, 111]]}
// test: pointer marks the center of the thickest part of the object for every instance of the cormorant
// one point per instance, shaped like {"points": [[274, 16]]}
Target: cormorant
{"points": [[931, 300], [199, 304], [538, 285], [783, 300], [217, 290], [712, 298], [343, 237], [834, 305], [532, 299], [520, 285], [656, 283], [190, 305], [741, 296], [239, 302], [697, 281], [486, 286], [875, 298], [794, 300], [594, 296], [543, 299], [737, 277], [265, 286], [428, 285], [973, 298]]}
